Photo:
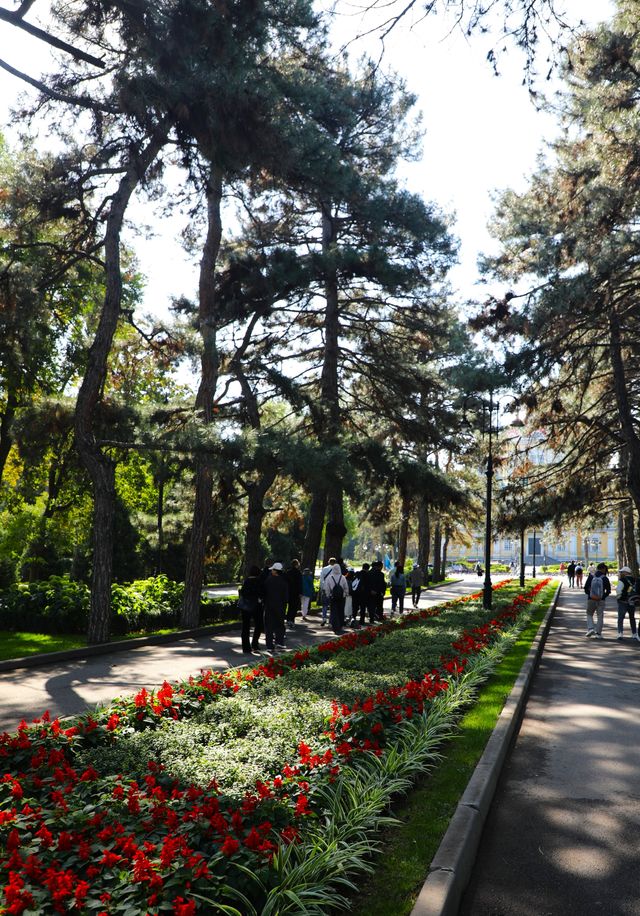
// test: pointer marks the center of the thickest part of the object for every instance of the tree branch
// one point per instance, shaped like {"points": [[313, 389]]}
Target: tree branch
{"points": [[58, 96], [16, 19]]}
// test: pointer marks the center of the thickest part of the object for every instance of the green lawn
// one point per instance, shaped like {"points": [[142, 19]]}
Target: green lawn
{"points": [[18, 645], [425, 813]]}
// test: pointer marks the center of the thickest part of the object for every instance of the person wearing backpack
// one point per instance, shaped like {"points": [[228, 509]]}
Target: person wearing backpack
{"points": [[579, 571], [597, 588], [398, 583], [336, 590], [625, 593]]}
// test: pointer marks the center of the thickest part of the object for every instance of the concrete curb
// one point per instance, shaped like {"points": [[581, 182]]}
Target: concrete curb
{"points": [[451, 868]]}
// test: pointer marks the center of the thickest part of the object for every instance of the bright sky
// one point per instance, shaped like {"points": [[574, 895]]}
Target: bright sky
{"points": [[482, 134]]}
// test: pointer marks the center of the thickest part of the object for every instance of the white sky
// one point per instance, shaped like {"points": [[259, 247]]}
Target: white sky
{"points": [[482, 134]]}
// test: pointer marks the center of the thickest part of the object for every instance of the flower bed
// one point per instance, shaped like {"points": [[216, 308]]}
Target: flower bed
{"points": [[79, 836]]}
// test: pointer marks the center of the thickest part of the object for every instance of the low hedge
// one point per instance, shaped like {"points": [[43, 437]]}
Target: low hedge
{"points": [[60, 605]]}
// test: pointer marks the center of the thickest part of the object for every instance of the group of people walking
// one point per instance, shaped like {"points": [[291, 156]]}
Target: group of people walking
{"points": [[598, 588], [271, 598], [575, 572], [349, 596]]}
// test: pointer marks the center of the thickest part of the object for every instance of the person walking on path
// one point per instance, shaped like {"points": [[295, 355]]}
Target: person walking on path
{"points": [[324, 572], [276, 597], [362, 594], [579, 574], [571, 573], [597, 588], [417, 579], [307, 591], [624, 591], [377, 589], [398, 583], [294, 581], [251, 594], [348, 603], [336, 589]]}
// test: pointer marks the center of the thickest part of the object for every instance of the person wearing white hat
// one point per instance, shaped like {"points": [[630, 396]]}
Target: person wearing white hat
{"points": [[625, 592]]}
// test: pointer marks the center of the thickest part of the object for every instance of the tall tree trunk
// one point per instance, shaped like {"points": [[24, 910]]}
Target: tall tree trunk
{"points": [[621, 554], [630, 544], [437, 546], [315, 524], [336, 528], [160, 524], [99, 466], [6, 423], [404, 530], [207, 321], [424, 536], [255, 516], [632, 441], [445, 545]]}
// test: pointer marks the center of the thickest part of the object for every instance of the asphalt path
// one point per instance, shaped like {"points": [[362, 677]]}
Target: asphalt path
{"points": [[563, 834], [76, 685]]}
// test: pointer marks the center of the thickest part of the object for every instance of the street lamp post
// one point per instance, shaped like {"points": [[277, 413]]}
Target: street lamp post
{"points": [[487, 591], [487, 594]]}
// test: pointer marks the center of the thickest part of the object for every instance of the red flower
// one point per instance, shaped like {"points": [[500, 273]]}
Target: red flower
{"points": [[182, 907], [230, 846]]}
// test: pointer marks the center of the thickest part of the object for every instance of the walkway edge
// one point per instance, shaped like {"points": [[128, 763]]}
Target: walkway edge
{"points": [[453, 862]]}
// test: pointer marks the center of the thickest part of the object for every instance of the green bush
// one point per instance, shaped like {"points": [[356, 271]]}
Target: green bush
{"points": [[60, 604], [146, 604], [54, 605]]}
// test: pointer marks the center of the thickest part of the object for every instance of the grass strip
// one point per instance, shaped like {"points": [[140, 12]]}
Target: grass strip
{"points": [[19, 645], [424, 814]]}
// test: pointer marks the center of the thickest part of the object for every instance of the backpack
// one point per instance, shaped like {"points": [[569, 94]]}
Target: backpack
{"points": [[336, 591], [633, 596], [597, 588]]}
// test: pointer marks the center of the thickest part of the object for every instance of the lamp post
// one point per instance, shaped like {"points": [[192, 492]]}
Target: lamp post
{"points": [[487, 593]]}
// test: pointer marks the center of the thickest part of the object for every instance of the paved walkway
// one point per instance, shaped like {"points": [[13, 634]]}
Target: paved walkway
{"points": [[563, 834], [75, 685]]}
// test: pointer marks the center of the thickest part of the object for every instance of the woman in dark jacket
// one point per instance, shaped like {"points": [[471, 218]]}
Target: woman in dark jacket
{"points": [[251, 607]]}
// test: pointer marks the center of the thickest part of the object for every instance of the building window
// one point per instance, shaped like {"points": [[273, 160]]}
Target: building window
{"points": [[507, 543], [538, 546]]}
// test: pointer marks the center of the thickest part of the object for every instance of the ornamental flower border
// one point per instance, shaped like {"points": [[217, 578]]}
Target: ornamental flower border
{"points": [[192, 846]]}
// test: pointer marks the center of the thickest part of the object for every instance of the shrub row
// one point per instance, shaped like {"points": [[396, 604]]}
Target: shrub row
{"points": [[244, 736], [61, 605]]}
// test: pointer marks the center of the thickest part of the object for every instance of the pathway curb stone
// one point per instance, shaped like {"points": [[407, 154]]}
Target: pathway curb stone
{"points": [[453, 862]]}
